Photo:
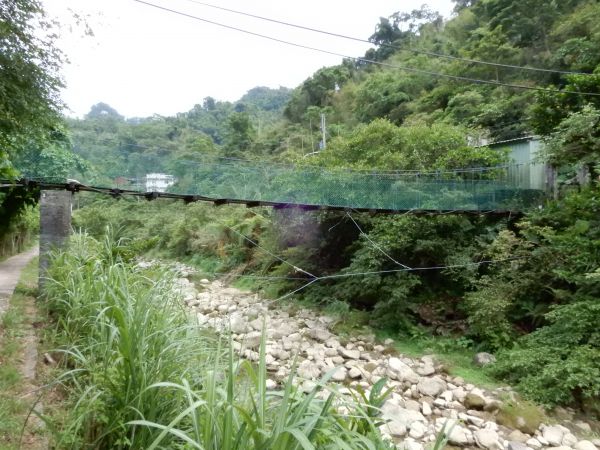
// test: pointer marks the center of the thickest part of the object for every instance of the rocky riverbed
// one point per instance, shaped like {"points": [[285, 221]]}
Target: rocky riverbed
{"points": [[424, 398]]}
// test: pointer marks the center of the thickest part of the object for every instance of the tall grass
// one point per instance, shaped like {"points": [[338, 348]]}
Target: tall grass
{"points": [[140, 375]]}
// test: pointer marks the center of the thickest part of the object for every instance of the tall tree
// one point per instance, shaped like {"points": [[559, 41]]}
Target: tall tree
{"points": [[29, 81]]}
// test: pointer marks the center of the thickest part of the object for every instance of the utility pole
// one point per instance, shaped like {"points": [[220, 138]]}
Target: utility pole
{"points": [[324, 131]]}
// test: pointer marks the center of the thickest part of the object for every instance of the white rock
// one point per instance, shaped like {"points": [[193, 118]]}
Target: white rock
{"points": [[515, 445], [542, 440], [585, 445], [319, 334], [459, 394], [348, 353], [487, 439], [569, 440], [483, 359], [447, 395], [426, 370], [426, 409], [308, 370], [440, 403], [393, 428], [308, 386], [391, 411], [535, 444], [252, 339], [337, 360], [355, 373], [474, 420], [237, 324], [410, 444], [403, 371], [417, 430], [270, 384], [294, 337], [460, 436], [431, 386], [339, 374], [202, 319], [518, 436], [412, 405], [553, 435], [330, 352]]}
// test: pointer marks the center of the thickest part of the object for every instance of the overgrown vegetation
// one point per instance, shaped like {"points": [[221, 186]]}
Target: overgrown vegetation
{"points": [[140, 375], [20, 232], [524, 288], [15, 400]]}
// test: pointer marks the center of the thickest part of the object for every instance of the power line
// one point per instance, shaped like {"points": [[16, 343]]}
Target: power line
{"points": [[370, 61], [375, 245], [396, 47]]}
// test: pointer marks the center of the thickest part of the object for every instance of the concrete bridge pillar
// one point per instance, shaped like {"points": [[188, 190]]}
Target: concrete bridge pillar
{"points": [[55, 225]]}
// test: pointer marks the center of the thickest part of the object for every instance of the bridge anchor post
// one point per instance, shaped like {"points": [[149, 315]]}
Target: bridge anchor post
{"points": [[55, 225]]}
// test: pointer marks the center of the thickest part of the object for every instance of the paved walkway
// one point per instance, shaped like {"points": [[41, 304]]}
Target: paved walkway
{"points": [[10, 272]]}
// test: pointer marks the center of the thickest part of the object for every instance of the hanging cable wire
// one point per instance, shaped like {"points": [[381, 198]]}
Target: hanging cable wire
{"points": [[370, 61], [418, 269], [375, 244], [392, 46], [296, 268]]}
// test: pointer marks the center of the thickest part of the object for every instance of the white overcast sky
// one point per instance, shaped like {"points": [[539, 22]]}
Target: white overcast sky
{"points": [[145, 61]]}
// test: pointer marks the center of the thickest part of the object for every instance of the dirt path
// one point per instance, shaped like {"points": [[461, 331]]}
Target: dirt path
{"points": [[10, 272], [25, 359]]}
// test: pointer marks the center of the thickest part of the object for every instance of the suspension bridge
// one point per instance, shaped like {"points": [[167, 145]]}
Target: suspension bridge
{"points": [[501, 189]]}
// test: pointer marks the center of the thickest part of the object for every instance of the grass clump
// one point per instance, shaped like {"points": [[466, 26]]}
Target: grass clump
{"points": [[455, 354], [121, 332], [140, 375], [521, 414], [12, 408]]}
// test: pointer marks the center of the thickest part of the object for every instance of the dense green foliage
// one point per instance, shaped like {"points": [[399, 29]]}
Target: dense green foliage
{"points": [[140, 375], [32, 134], [29, 82], [555, 292]]}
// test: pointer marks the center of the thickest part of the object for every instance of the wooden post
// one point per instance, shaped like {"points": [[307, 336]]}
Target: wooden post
{"points": [[55, 225], [552, 181]]}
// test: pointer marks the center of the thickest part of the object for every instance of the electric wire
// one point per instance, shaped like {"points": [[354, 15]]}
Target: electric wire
{"points": [[375, 245], [417, 269], [395, 47], [296, 268], [370, 61]]}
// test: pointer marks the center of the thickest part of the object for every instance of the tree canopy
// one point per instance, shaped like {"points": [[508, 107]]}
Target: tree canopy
{"points": [[30, 104]]}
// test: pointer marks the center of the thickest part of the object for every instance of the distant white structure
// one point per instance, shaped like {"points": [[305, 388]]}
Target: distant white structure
{"points": [[159, 182]]}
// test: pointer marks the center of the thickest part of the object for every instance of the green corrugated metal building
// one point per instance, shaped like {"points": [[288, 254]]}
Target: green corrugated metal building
{"points": [[527, 172]]}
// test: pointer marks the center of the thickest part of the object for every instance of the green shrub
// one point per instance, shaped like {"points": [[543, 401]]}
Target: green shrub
{"points": [[554, 293]]}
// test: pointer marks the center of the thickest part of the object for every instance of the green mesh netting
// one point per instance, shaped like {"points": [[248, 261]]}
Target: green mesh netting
{"points": [[473, 189]]}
